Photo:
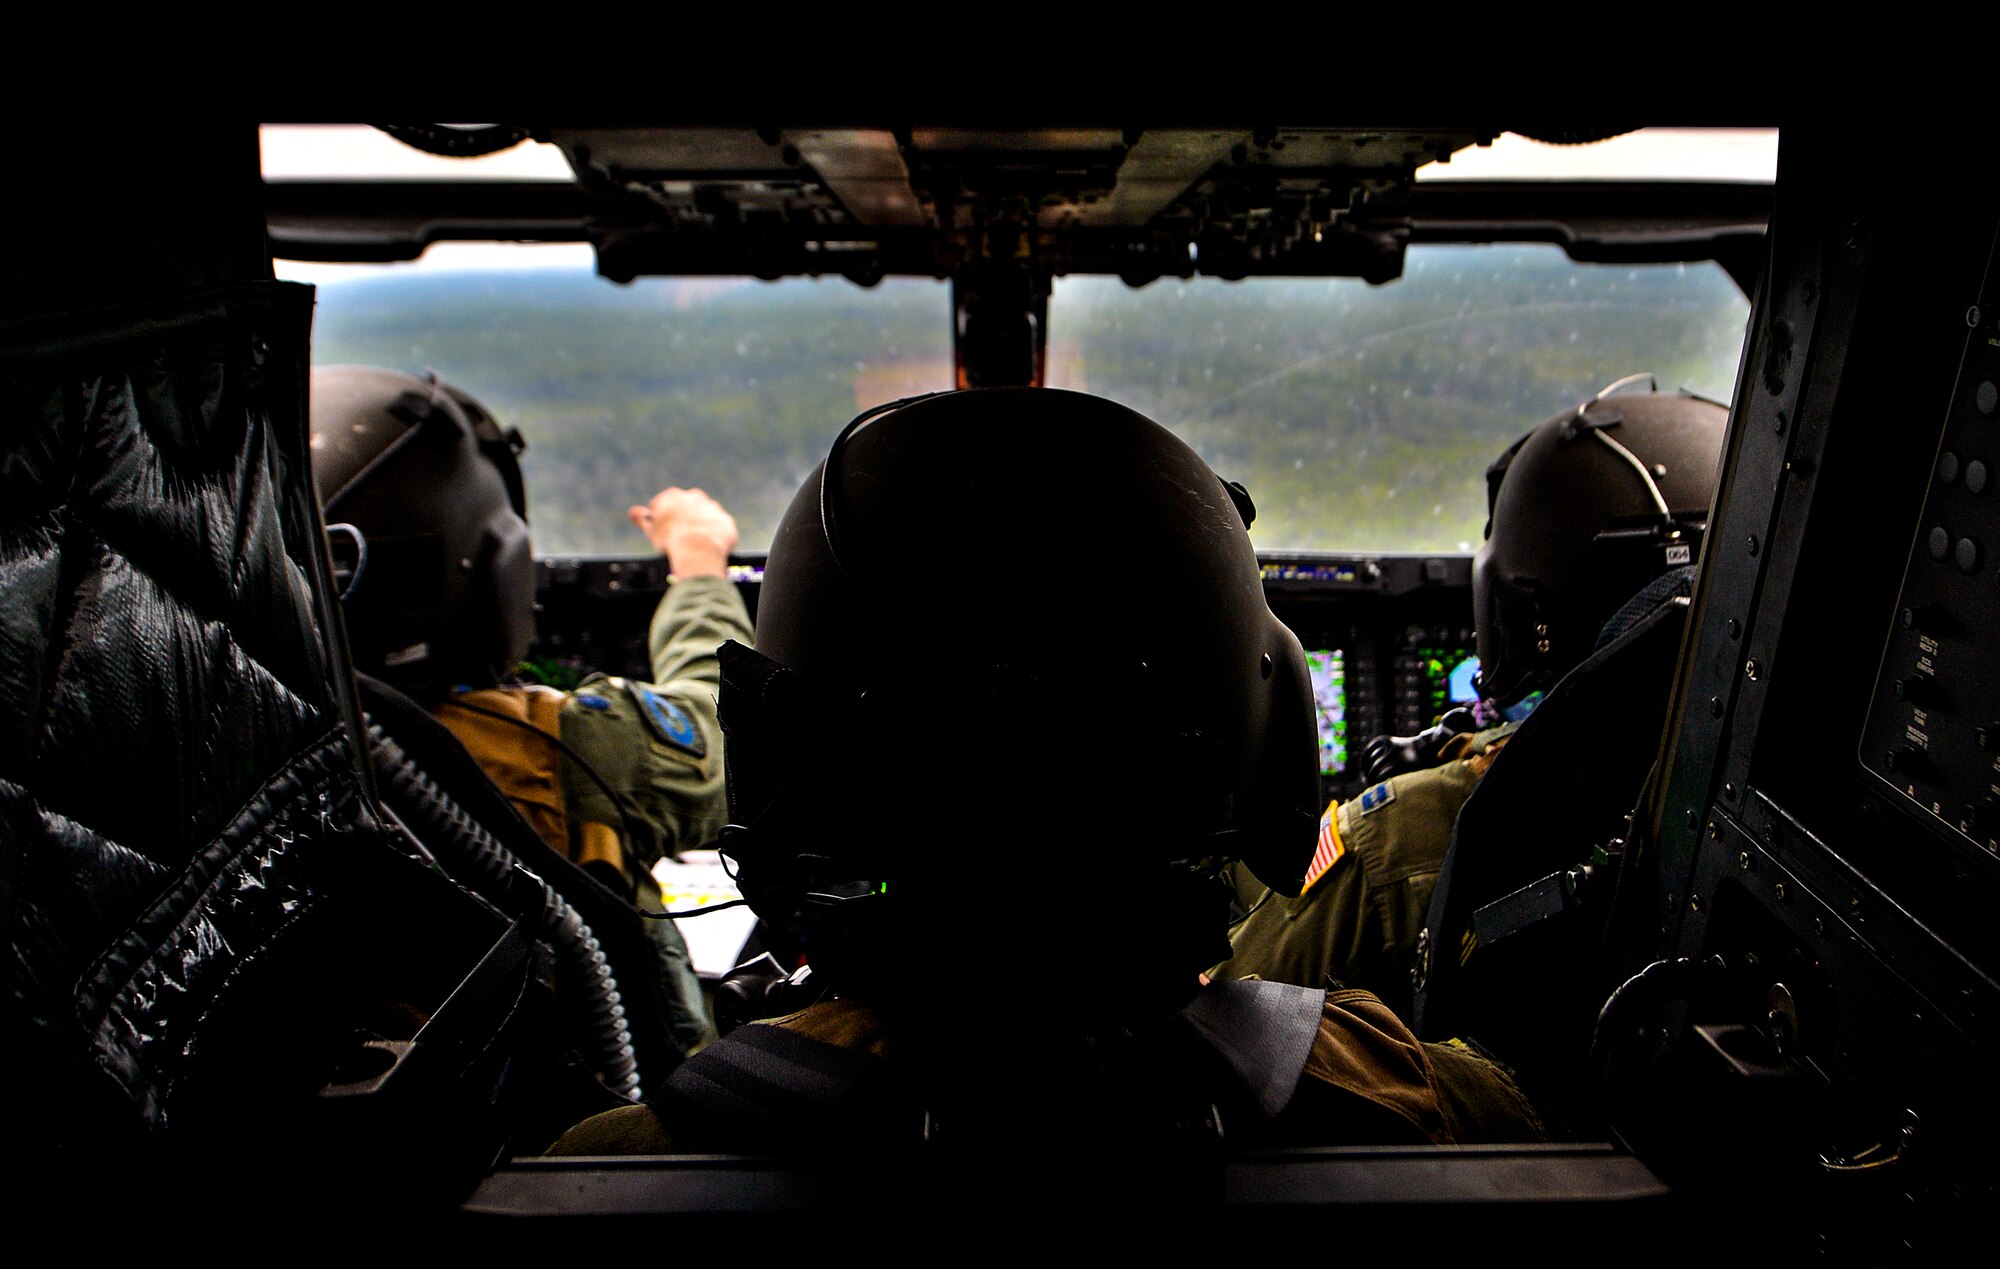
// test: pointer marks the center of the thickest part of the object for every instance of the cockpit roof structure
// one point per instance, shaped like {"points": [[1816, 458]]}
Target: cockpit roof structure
{"points": [[1139, 203]]}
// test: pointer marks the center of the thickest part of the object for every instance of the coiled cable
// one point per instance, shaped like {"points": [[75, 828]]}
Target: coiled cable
{"points": [[585, 987]]}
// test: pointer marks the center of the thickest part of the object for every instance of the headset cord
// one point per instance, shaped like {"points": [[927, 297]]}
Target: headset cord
{"points": [[484, 865]]}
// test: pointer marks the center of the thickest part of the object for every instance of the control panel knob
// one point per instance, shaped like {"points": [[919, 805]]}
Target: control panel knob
{"points": [[1915, 689], [1966, 555], [1927, 617], [1987, 737], [1903, 760]]}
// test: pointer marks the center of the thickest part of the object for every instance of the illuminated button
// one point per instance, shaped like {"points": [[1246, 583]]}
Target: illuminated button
{"points": [[1986, 397], [1939, 543], [1966, 556], [1947, 468], [1975, 476]]}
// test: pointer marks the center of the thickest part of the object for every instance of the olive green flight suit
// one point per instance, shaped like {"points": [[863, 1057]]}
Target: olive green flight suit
{"points": [[1357, 922], [657, 745], [1367, 1081]]}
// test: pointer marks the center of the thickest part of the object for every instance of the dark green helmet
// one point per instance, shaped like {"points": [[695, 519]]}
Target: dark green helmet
{"points": [[426, 514], [1583, 512], [1015, 683]]}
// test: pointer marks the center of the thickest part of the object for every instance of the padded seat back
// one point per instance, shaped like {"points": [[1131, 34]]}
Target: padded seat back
{"points": [[203, 915], [1563, 787]]}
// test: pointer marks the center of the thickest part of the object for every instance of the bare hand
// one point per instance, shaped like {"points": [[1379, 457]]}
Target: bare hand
{"points": [[691, 529]]}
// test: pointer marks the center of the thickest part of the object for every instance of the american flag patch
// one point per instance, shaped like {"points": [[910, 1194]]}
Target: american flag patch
{"points": [[1331, 848]]}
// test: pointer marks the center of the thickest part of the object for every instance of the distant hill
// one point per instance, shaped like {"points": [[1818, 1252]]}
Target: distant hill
{"points": [[1359, 417]]}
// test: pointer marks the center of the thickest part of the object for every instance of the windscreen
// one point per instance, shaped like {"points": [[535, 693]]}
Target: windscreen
{"points": [[1363, 418], [731, 385]]}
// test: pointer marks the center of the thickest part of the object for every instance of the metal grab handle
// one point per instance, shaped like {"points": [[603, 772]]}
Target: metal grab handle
{"points": [[1870, 1159]]}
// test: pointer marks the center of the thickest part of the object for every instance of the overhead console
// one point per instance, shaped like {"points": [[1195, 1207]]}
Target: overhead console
{"points": [[1388, 638]]}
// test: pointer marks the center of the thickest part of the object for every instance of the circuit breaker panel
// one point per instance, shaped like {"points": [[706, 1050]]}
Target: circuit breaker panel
{"points": [[1933, 731]]}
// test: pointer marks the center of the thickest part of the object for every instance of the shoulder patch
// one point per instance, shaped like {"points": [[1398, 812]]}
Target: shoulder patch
{"points": [[668, 721], [1330, 848], [590, 700], [1377, 796]]}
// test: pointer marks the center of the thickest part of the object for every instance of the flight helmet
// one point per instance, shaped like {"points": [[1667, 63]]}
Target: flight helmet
{"points": [[1016, 691], [1582, 512], [427, 520]]}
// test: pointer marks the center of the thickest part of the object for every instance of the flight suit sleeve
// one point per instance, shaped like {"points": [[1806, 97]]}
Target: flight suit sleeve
{"points": [[1444, 1093], [1400, 845], [1302, 940], [1357, 922], [658, 745], [696, 616]]}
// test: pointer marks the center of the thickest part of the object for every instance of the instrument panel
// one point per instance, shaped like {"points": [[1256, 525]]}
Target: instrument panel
{"points": [[1933, 726], [1388, 638]]}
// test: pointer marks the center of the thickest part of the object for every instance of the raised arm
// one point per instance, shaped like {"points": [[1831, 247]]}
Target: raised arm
{"points": [[701, 608]]}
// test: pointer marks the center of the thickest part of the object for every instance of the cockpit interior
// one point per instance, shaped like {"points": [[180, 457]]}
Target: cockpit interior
{"points": [[1796, 1057]]}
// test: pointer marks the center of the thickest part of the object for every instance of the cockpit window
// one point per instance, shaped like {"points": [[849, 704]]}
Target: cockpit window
{"points": [[1647, 154], [1362, 418], [731, 385]]}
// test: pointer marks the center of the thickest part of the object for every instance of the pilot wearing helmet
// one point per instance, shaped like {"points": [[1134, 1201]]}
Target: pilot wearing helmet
{"points": [[427, 517], [942, 784], [1593, 518]]}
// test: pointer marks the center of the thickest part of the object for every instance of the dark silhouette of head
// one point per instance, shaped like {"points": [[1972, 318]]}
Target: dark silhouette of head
{"points": [[1016, 692]]}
